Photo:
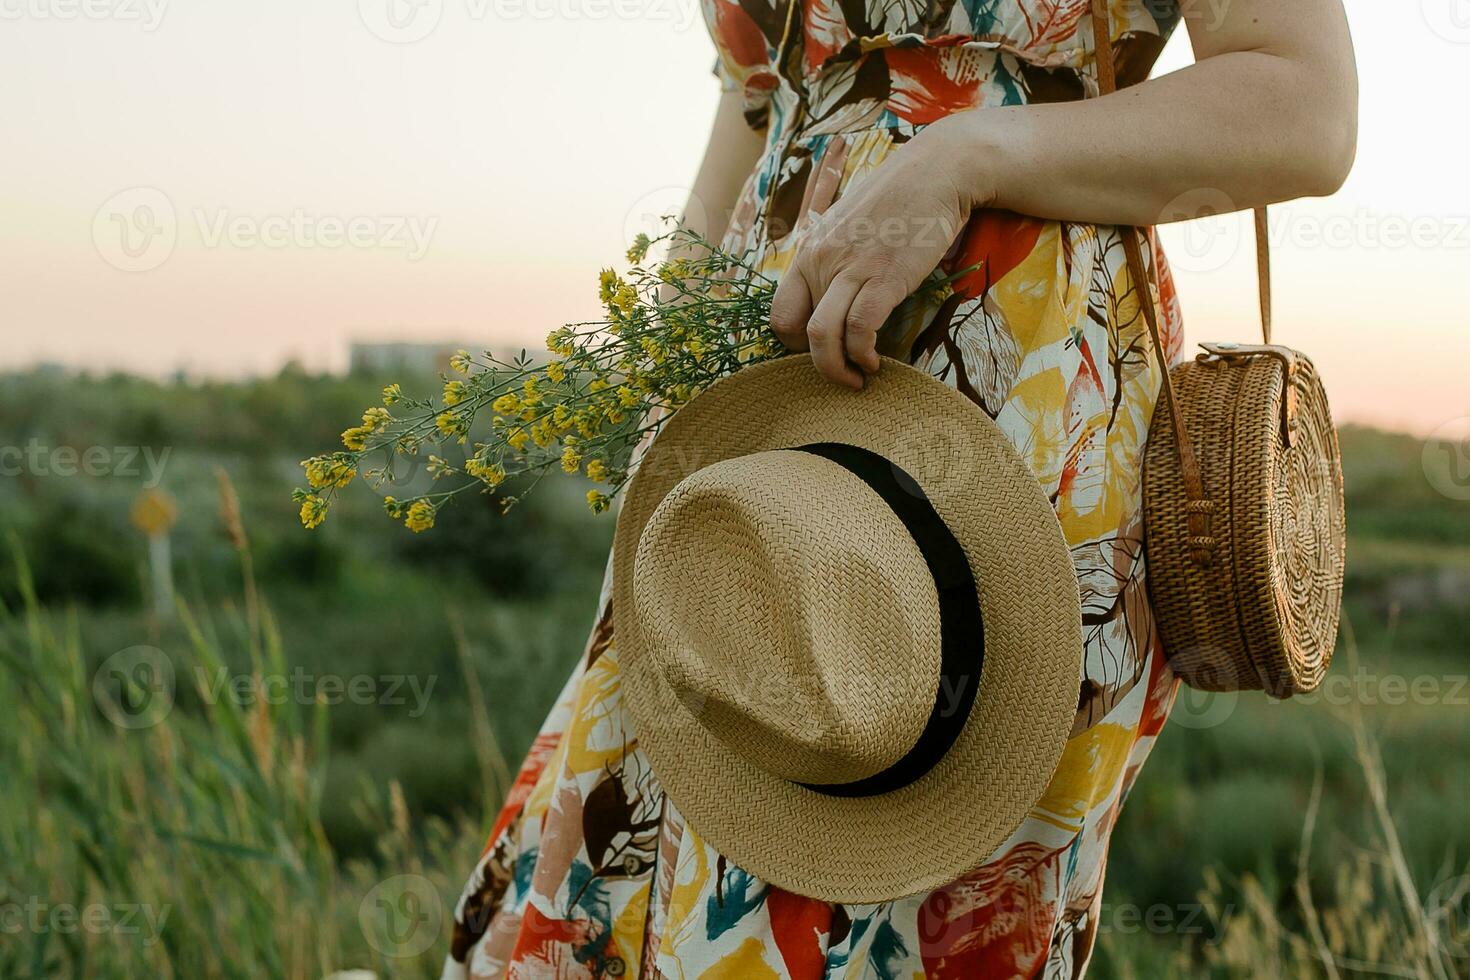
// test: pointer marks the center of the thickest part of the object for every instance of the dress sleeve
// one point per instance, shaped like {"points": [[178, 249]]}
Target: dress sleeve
{"points": [[727, 81], [755, 83]]}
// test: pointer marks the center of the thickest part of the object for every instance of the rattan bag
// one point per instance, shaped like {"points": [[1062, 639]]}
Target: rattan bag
{"points": [[1243, 510]]}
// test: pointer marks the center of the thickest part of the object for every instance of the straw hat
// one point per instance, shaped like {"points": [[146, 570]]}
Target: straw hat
{"points": [[807, 581]]}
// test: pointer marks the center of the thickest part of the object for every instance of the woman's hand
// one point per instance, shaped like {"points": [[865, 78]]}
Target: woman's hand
{"points": [[1268, 113], [869, 251]]}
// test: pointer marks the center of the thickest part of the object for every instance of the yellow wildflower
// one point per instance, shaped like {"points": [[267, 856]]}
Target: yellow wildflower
{"points": [[627, 397], [327, 471], [392, 394], [420, 516], [638, 251], [625, 300], [597, 471], [677, 269], [571, 460], [355, 438], [597, 384], [517, 439], [507, 404], [560, 342], [607, 285], [460, 361], [598, 501], [491, 474], [450, 424], [454, 392], [313, 511], [556, 372]]}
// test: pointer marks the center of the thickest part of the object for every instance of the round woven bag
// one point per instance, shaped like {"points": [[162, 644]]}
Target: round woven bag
{"points": [[1242, 487], [1252, 603]]}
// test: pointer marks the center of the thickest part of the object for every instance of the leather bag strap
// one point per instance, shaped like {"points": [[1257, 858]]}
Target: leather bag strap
{"points": [[1199, 509]]}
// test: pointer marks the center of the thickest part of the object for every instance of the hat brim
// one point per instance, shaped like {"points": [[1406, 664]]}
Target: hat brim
{"points": [[933, 831]]}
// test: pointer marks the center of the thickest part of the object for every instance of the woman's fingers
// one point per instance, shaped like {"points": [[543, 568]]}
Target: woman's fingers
{"points": [[842, 330], [870, 309], [825, 333], [791, 308]]}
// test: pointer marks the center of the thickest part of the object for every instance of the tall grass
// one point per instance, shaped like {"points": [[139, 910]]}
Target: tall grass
{"points": [[148, 829], [1372, 918]]}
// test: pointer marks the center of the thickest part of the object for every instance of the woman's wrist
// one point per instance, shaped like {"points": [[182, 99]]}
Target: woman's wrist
{"points": [[981, 145]]}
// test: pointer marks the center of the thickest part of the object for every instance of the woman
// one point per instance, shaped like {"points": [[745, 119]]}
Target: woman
{"points": [[843, 159]]}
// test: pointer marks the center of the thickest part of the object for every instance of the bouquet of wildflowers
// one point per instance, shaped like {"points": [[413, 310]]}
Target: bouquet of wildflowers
{"points": [[670, 331]]}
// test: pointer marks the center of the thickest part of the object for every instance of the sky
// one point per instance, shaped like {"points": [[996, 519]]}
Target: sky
{"points": [[220, 187]]}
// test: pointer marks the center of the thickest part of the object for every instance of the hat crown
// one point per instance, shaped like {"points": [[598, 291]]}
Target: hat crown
{"points": [[793, 614]]}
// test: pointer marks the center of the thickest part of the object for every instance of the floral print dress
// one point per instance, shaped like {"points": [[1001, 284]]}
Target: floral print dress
{"points": [[590, 870]]}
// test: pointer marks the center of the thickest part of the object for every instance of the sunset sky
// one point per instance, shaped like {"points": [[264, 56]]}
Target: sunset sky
{"points": [[219, 187]]}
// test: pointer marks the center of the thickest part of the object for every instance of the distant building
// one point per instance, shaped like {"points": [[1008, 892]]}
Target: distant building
{"points": [[402, 357]]}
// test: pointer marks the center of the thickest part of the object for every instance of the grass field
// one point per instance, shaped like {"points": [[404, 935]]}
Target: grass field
{"points": [[290, 774]]}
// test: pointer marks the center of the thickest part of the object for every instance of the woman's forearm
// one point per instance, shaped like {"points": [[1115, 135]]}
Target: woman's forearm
{"points": [[1258, 123], [729, 158]]}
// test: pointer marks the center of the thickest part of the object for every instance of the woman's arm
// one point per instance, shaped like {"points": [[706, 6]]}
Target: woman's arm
{"points": [[729, 158], [1267, 113]]}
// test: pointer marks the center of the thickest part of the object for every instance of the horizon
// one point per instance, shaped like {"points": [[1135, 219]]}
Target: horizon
{"points": [[222, 190]]}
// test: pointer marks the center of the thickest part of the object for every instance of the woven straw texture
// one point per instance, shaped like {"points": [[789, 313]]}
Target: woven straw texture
{"points": [[1262, 614], [839, 849]]}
